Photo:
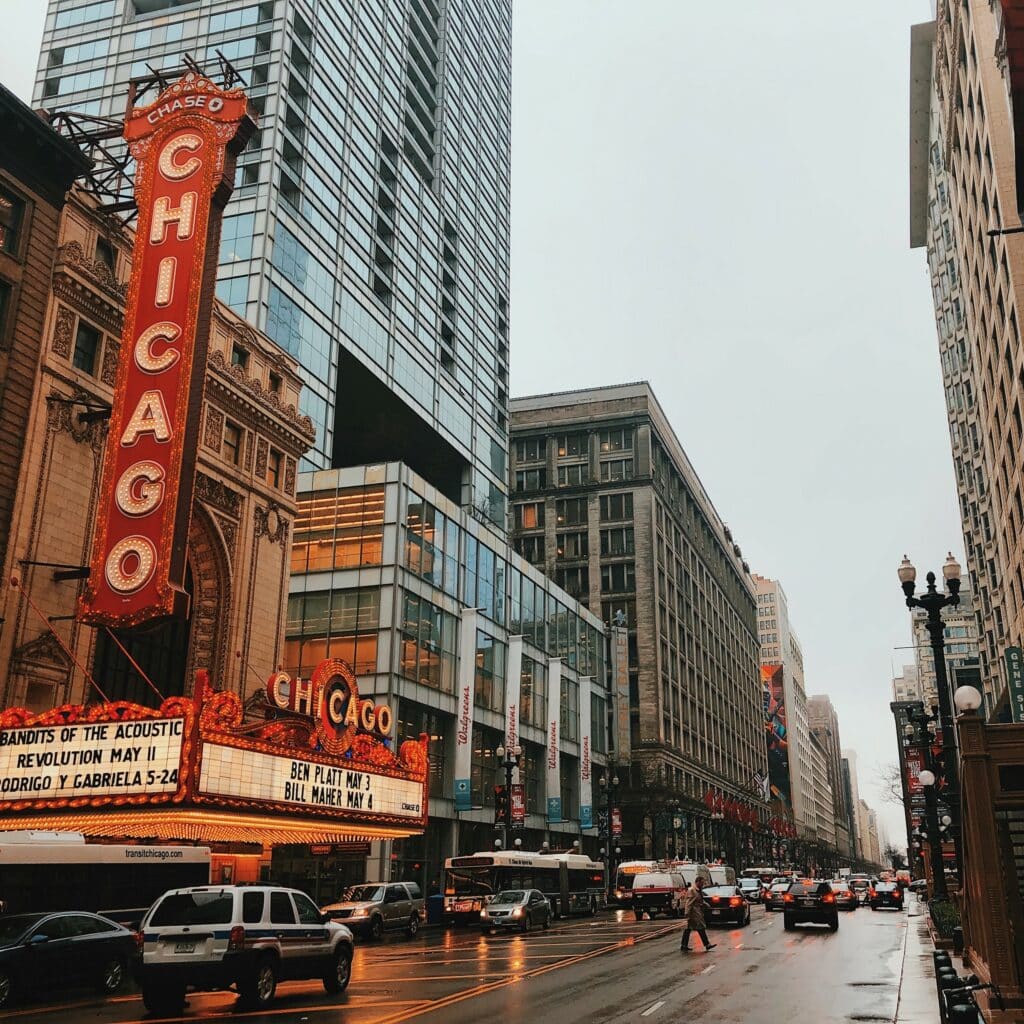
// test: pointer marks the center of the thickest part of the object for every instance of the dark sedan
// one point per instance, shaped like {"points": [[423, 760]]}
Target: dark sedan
{"points": [[810, 902], [886, 894], [775, 896], [41, 951], [726, 905], [846, 898]]}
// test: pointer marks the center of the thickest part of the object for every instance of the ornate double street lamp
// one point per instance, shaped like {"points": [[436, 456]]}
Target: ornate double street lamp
{"points": [[933, 601], [509, 761], [919, 730], [609, 783]]}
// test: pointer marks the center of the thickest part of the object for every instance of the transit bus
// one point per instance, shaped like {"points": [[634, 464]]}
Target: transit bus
{"points": [[48, 871], [571, 881]]}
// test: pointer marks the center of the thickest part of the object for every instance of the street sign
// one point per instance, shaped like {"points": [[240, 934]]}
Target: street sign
{"points": [[1015, 681]]}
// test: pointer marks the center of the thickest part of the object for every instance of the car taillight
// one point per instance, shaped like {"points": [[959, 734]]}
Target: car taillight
{"points": [[716, 899], [236, 938], [735, 901], [871, 893], [140, 941], [787, 898], [828, 898]]}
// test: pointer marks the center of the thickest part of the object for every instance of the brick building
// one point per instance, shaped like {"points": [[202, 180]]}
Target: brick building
{"points": [[244, 505]]}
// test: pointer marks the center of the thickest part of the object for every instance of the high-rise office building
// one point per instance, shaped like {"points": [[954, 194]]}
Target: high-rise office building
{"points": [[907, 685], [782, 662], [963, 187], [606, 502], [368, 233], [823, 723], [960, 629]]}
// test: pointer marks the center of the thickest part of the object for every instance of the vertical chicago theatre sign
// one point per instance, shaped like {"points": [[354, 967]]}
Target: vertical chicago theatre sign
{"points": [[184, 146]]}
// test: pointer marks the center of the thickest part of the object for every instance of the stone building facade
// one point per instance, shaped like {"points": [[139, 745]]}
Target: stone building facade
{"points": [[244, 503], [606, 502]]}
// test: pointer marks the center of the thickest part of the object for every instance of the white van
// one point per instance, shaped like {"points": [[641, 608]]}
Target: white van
{"points": [[722, 874], [691, 871]]}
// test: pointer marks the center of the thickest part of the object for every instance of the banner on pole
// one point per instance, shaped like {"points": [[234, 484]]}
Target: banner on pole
{"points": [[464, 710], [553, 759]]}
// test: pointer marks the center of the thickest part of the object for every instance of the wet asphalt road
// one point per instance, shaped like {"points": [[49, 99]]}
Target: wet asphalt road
{"points": [[606, 970]]}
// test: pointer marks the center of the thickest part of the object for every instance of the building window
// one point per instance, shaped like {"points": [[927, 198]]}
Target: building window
{"points": [[6, 291], [105, 253], [275, 383], [610, 612], [274, 461], [429, 637], [239, 356], [533, 693], [574, 580], [87, 346], [529, 517], [338, 529], [572, 545], [232, 443], [573, 476], [531, 548], [490, 673], [615, 507], [572, 446], [618, 541], [531, 449], [530, 479], [572, 512], [617, 469], [620, 440], [12, 213], [618, 579]]}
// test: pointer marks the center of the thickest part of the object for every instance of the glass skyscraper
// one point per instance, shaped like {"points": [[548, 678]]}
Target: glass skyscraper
{"points": [[369, 229]]}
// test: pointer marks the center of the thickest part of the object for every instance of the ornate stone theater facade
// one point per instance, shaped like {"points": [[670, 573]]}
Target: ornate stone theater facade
{"points": [[251, 440]]}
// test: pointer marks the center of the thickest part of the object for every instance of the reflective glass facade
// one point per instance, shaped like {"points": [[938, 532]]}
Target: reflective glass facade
{"points": [[368, 233]]}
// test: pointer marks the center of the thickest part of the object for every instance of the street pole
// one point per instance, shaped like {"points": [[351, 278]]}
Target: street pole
{"points": [[931, 814], [932, 601]]}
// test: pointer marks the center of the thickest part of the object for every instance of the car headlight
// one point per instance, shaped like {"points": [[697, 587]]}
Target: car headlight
{"points": [[518, 912], [483, 913], [359, 913]]}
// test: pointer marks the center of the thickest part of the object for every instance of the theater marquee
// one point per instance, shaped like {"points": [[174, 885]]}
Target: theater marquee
{"points": [[196, 769], [184, 146]]}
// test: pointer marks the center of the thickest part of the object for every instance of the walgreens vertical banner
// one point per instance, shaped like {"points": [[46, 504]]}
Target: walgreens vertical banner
{"points": [[184, 146], [586, 775], [553, 754], [464, 710], [513, 686]]}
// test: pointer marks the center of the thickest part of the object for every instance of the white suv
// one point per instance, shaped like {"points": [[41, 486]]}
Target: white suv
{"points": [[211, 937]]}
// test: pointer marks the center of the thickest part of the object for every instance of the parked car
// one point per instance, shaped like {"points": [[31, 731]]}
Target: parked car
{"points": [[846, 898], [775, 898], [67, 950], [810, 902], [375, 907], [213, 937], [522, 909], [886, 894], [658, 892], [726, 905], [752, 890]]}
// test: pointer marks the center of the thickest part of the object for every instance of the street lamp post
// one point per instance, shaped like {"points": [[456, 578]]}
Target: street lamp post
{"points": [[509, 761], [717, 830], [933, 601], [609, 783], [919, 730]]}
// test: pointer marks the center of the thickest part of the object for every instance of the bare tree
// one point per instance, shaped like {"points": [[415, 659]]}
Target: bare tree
{"points": [[891, 782], [894, 857]]}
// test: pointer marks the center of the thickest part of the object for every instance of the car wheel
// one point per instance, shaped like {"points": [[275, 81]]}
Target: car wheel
{"points": [[833, 925], [746, 919], [547, 922], [873, 907], [788, 923], [376, 927], [110, 977], [257, 991], [413, 928], [337, 978], [593, 906], [638, 914], [6, 989], [163, 999]]}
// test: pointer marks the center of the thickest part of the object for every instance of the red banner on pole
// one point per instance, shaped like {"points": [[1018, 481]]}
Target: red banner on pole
{"points": [[184, 146], [518, 804], [616, 822]]}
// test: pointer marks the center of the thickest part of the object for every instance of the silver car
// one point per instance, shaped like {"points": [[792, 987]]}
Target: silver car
{"points": [[375, 907], [522, 909]]}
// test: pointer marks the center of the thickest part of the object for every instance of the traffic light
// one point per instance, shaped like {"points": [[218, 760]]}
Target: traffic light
{"points": [[500, 805]]}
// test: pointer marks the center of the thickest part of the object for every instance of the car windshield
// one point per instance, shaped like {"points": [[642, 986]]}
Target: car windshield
{"points": [[720, 890], [749, 883], [780, 887], [205, 907], [885, 887], [809, 888], [840, 887], [362, 894], [859, 883], [510, 896], [12, 928]]}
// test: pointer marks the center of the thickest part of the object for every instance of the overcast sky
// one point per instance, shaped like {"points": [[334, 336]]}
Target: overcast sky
{"points": [[714, 197]]}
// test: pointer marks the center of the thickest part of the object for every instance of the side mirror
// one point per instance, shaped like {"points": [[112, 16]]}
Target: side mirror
{"points": [[37, 940]]}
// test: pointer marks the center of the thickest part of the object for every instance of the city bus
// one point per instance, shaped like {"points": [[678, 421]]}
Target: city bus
{"points": [[571, 881], [45, 871]]}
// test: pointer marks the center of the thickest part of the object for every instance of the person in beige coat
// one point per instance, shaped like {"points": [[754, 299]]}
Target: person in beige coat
{"points": [[693, 906]]}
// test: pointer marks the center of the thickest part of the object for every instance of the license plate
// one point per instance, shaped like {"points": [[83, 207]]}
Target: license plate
{"points": [[807, 903], [464, 905], [184, 947], [715, 913]]}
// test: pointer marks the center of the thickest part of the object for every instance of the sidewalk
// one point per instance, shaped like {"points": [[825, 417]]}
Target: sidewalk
{"points": [[918, 1002]]}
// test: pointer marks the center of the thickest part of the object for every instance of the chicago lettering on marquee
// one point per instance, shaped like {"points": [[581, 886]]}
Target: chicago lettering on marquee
{"points": [[184, 146]]}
